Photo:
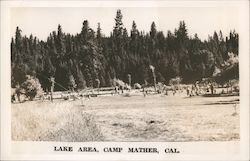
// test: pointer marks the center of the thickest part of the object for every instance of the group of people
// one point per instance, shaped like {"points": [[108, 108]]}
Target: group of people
{"points": [[196, 90]]}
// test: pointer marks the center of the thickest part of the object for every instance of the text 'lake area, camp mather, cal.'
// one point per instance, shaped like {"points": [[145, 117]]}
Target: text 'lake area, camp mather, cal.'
{"points": [[114, 149]]}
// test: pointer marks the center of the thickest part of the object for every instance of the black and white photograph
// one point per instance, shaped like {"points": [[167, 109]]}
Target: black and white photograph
{"points": [[125, 74]]}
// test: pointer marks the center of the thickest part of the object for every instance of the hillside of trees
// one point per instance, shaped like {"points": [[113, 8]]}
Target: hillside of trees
{"points": [[89, 56]]}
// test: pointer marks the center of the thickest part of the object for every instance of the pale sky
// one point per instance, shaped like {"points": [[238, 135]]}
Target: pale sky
{"points": [[203, 21]]}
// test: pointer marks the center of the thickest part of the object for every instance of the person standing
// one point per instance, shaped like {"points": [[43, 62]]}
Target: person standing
{"points": [[212, 88], [188, 91]]}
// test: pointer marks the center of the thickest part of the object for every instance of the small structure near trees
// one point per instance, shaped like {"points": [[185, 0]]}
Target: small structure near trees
{"points": [[119, 85], [137, 86]]}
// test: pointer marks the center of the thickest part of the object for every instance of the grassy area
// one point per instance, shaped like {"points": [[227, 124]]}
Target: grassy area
{"points": [[131, 118], [59, 121]]}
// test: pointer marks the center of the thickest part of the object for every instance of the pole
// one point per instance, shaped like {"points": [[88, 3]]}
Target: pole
{"points": [[154, 80], [153, 72], [52, 79], [129, 80]]}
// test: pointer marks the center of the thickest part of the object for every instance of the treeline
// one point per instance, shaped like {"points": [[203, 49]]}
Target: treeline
{"points": [[90, 58]]}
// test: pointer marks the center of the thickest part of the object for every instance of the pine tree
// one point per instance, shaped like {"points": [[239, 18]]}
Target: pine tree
{"points": [[153, 31], [118, 29], [98, 34], [134, 39]]}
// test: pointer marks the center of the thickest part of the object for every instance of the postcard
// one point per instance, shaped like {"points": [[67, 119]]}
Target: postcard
{"points": [[125, 80]]}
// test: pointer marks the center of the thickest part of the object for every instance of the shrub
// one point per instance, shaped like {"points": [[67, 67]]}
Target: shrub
{"points": [[31, 87]]}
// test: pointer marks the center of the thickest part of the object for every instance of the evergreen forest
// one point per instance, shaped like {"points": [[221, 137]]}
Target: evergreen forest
{"points": [[90, 57]]}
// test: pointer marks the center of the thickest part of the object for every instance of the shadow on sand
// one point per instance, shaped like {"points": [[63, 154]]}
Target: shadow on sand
{"points": [[234, 101], [221, 95]]}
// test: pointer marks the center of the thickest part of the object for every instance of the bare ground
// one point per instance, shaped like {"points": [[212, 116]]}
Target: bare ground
{"points": [[134, 118]]}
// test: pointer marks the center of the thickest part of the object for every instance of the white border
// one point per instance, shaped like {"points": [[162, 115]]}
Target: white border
{"points": [[189, 150]]}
